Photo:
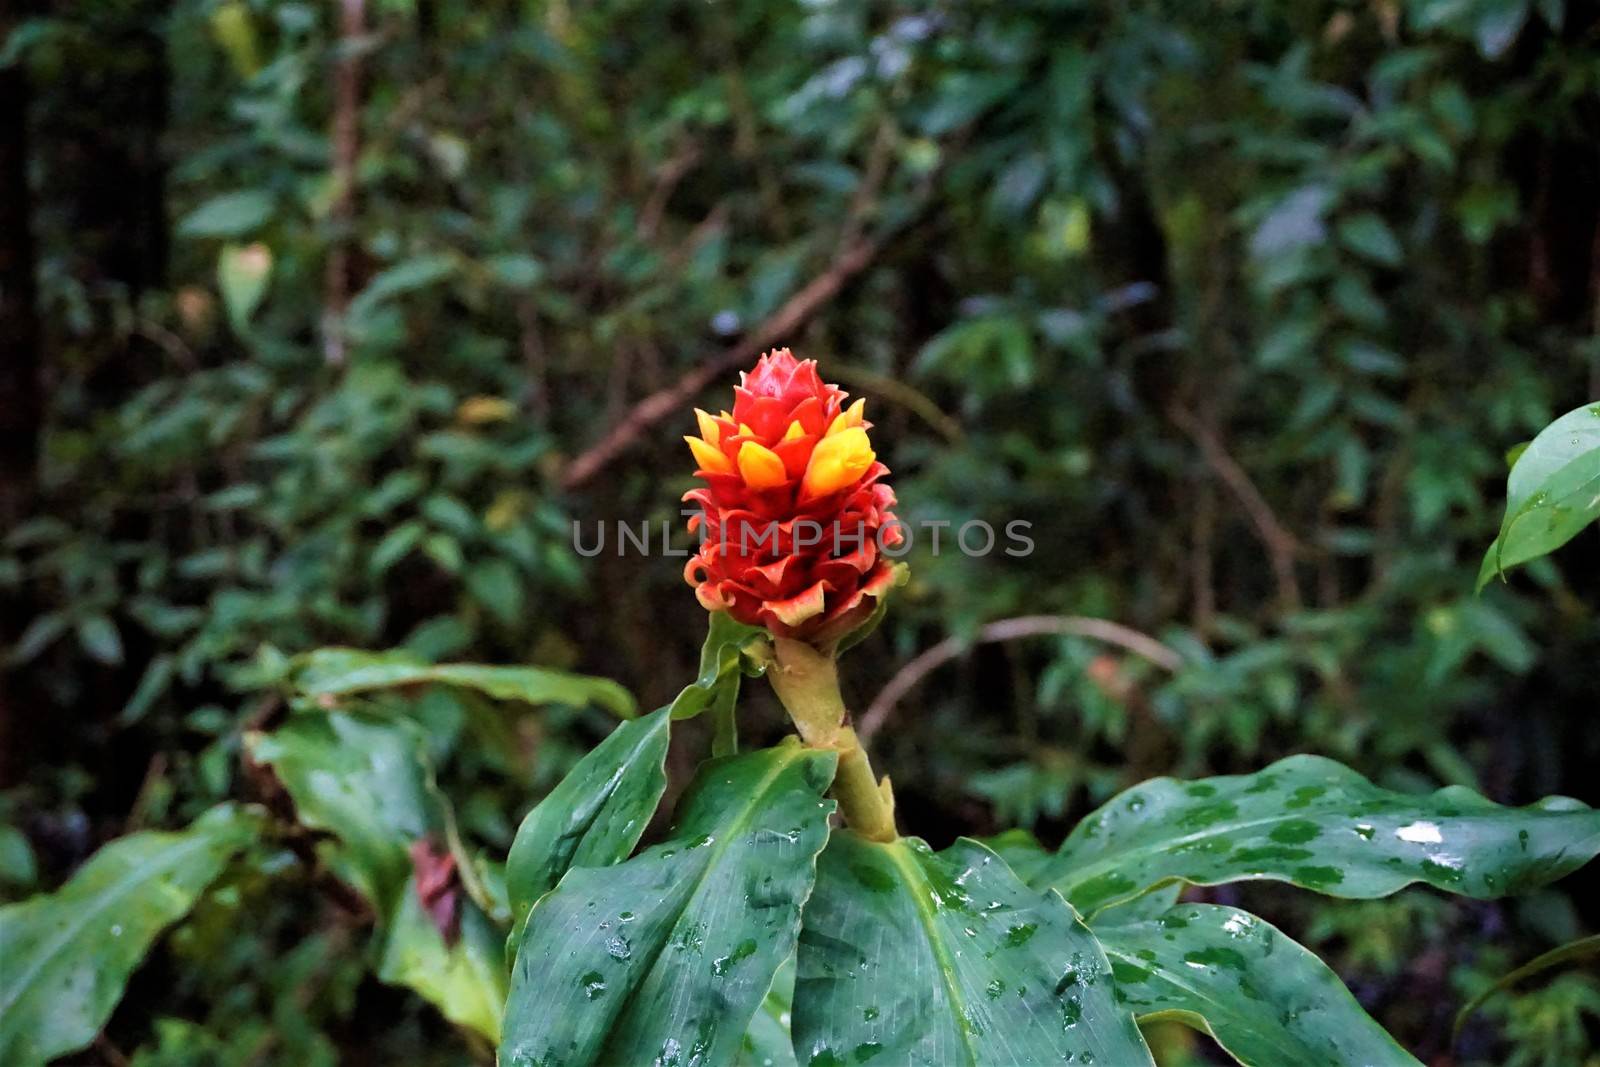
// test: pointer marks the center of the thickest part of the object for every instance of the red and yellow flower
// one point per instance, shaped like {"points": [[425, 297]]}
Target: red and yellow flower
{"points": [[794, 513]]}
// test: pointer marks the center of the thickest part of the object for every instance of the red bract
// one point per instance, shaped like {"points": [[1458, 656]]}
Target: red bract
{"points": [[794, 514]]}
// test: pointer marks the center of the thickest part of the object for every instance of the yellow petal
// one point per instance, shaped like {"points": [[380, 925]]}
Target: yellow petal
{"points": [[708, 457], [837, 461], [840, 421], [794, 431], [725, 415], [857, 413], [745, 431], [760, 467], [708, 427]]}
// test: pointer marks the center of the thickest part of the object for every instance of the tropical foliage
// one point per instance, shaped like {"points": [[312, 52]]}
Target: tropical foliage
{"points": [[325, 323]]}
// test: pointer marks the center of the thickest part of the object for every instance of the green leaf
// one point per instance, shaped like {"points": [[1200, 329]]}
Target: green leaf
{"points": [[908, 956], [358, 777], [1317, 824], [1266, 999], [242, 275], [419, 272], [228, 215], [336, 672], [722, 663], [99, 637], [152, 684], [1370, 236], [1581, 949], [666, 958], [41, 633], [1552, 493], [363, 779], [515, 270], [68, 954], [594, 817], [466, 981]]}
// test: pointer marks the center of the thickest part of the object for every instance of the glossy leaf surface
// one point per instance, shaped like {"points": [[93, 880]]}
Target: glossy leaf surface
{"points": [[908, 956], [666, 957], [595, 816], [1321, 826], [67, 955], [1552, 493], [1266, 999]]}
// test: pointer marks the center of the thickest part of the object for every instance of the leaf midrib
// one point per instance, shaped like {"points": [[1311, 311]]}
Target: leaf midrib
{"points": [[719, 848], [914, 879]]}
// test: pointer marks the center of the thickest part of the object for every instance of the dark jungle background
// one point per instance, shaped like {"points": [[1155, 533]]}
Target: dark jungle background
{"points": [[323, 322]]}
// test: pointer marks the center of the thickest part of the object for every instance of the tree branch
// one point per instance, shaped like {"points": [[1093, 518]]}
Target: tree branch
{"points": [[663, 403], [1112, 633], [1282, 546]]}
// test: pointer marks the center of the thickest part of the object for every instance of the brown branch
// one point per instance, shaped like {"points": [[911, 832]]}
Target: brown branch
{"points": [[672, 172], [346, 140], [1112, 633], [1281, 545], [534, 360], [795, 312]]}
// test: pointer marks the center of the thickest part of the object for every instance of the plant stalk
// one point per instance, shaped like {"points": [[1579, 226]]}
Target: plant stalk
{"points": [[807, 683]]}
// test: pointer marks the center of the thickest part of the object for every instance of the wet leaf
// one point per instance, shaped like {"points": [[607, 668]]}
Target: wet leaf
{"points": [[667, 957], [1319, 825], [68, 954], [594, 817], [1552, 493], [1267, 1000], [908, 956]]}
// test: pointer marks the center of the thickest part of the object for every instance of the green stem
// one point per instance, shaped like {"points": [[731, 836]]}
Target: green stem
{"points": [[807, 683]]}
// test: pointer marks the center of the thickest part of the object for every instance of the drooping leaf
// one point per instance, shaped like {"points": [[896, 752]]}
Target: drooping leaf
{"points": [[1552, 493], [908, 956], [1319, 825], [68, 954], [594, 817], [335, 672], [1582, 949], [666, 958], [1266, 999], [363, 779]]}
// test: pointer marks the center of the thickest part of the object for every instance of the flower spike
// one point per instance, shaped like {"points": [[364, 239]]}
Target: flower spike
{"points": [[795, 514]]}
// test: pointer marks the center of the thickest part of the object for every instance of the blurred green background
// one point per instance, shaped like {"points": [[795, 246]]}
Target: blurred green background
{"points": [[322, 324]]}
